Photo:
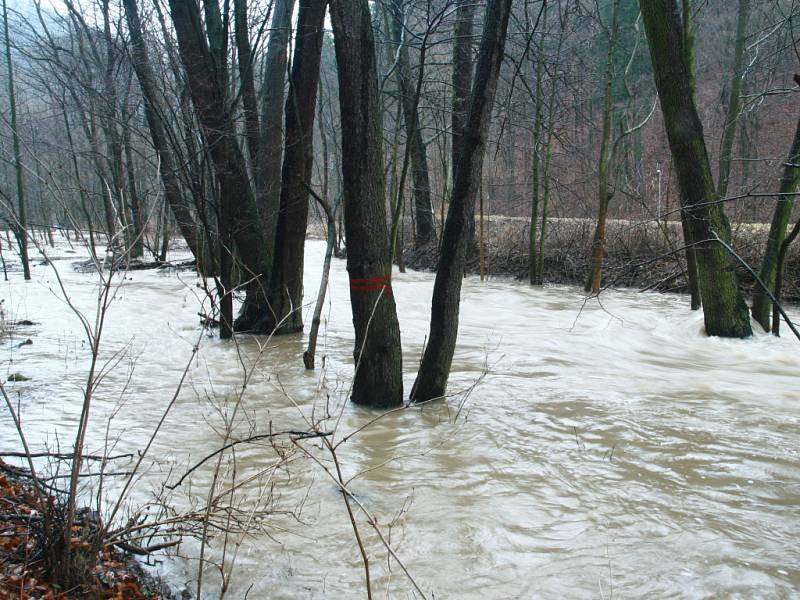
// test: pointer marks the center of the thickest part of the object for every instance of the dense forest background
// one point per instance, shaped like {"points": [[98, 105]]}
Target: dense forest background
{"points": [[80, 108]]}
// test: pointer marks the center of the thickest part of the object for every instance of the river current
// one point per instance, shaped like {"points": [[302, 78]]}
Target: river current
{"points": [[604, 449]]}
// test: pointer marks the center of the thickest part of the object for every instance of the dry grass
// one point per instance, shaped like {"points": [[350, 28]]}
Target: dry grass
{"points": [[628, 244]]}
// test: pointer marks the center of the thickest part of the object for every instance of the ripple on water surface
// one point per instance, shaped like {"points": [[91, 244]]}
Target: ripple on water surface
{"points": [[610, 450]]}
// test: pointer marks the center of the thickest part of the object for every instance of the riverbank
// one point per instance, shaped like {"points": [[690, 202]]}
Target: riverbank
{"points": [[644, 256], [107, 572]]}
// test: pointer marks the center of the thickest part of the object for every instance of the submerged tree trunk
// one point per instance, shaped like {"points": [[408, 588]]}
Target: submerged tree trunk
{"points": [[533, 260], [434, 369], [330, 238], [240, 233], [378, 380], [286, 279], [604, 184], [780, 220], [724, 310]]}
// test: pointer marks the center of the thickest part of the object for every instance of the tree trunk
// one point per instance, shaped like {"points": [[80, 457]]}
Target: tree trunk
{"points": [[776, 309], [777, 231], [153, 110], [109, 117], [692, 275], [270, 145], [78, 182], [537, 148], [461, 79], [238, 215], [409, 99], [551, 121], [724, 310], [286, 279], [330, 214], [734, 100], [434, 370], [604, 184], [20, 227], [264, 147], [136, 228], [165, 235], [378, 380], [247, 80]]}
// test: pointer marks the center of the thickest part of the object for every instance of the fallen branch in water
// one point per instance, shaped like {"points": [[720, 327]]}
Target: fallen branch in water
{"points": [[139, 551]]}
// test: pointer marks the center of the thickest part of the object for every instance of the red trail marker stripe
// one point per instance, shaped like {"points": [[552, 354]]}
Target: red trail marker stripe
{"points": [[371, 284]]}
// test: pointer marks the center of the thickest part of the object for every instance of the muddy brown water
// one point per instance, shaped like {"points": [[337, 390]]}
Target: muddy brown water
{"points": [[610, 450]]}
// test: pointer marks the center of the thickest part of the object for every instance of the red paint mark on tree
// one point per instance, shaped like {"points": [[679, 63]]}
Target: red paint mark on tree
{"points": [[372, 284]]}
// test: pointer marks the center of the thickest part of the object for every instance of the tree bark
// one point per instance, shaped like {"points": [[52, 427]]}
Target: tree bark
{"points": [[461, 76], [286, 280], [724, 310], [434, 370], [461, 79], [378, 380]]}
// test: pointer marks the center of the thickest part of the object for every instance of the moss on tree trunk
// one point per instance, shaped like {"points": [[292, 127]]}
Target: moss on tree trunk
{"points": [[724, 310]]}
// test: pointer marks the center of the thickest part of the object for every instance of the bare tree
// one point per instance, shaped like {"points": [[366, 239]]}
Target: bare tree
{"points": [[20, 224], [154, 113], [724, 309], [434, 369], [205, 61], [286, 279], [378, 378]]}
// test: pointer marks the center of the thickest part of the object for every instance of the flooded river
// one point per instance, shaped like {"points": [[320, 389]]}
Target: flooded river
{"points": [[609, 451]]}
